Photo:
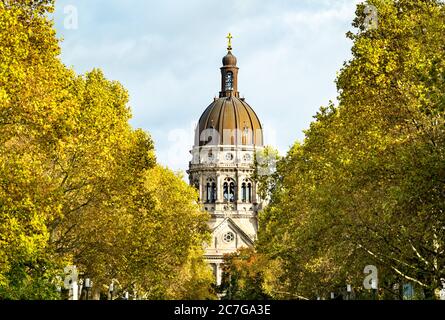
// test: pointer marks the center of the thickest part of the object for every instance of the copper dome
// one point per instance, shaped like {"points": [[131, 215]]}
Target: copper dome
{"points": [[234, 121], [229, 59], [229, 120]]}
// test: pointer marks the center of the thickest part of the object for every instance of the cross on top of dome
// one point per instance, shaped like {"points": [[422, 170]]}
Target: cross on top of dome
{"points": [[229, 46]]}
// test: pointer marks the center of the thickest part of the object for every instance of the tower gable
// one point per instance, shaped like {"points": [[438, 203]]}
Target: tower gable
{"points": [[228, 225]]}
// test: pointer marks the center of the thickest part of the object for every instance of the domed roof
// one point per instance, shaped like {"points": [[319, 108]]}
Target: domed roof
{"points": [[229, 59], [233, 120]]}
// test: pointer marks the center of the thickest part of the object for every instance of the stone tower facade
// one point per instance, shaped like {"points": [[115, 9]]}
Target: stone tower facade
{"points": [[228, 135]]}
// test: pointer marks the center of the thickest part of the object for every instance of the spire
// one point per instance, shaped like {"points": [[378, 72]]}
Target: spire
{"points": [[229, 73], [229, 45]]}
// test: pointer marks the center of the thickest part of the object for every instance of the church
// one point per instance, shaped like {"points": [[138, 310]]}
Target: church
{"points": [[227, 137]]}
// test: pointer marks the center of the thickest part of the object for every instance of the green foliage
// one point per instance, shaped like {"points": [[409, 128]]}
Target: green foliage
{"points": [[194, 280], [243, 276], [78, 185], [265, 173], [367, 184], [30, 6]]}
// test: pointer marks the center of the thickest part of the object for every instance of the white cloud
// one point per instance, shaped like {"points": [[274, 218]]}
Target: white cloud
{"points": [[319, 19], [168, 54]]}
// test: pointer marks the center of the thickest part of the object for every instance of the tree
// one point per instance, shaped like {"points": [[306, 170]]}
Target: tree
{"points": [[265, 173], [367, 184], [78, 185], [243, 276], [30, 79]]}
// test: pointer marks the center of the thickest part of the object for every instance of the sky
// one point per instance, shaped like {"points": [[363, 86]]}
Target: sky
{"points": [[167, 54]]}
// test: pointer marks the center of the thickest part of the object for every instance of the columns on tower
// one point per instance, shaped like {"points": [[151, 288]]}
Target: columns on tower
{"points": [[201, 191], [219, 188], [218, 274], [239, 192]]}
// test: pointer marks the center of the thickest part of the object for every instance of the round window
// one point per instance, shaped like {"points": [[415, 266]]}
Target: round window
{"points": [[229, 156], [229, 237]]}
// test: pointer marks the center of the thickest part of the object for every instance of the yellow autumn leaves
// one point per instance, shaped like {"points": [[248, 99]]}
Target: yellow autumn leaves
{"points": [[367, 185], [78, 185]]}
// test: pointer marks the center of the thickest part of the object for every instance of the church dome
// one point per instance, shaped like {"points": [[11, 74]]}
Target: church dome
{"points": [[234, 121], [229, 59], [229, 120]]}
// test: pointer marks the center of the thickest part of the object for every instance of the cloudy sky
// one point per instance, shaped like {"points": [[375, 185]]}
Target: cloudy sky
{"points": [[168, 54]]}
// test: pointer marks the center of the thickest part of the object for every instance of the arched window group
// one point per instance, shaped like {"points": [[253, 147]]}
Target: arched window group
{"points": [[246, 191], [229, 190], [211, 191]]}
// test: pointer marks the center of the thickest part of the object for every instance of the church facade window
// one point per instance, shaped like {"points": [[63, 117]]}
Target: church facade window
{"points": [[211, 191], [229, 81], [229, 190], [228, 237], [246, 191]]}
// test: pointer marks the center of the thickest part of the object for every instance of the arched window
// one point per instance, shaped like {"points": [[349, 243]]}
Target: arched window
{"points": [[211, 191], [247, 136], [229, 81], [246, 191], [229, 190], [214, 192], [232, 192]]}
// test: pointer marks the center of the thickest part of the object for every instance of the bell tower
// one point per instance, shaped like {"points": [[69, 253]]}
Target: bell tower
{"points": [[222, 168], [229, 73]]}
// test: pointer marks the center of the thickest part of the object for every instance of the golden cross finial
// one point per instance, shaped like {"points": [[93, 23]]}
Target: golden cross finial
{"points": [[229, 37]]}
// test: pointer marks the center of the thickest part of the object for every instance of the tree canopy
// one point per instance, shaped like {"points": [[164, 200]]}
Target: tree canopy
{"points": [[367, 185], [78, 185]]}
